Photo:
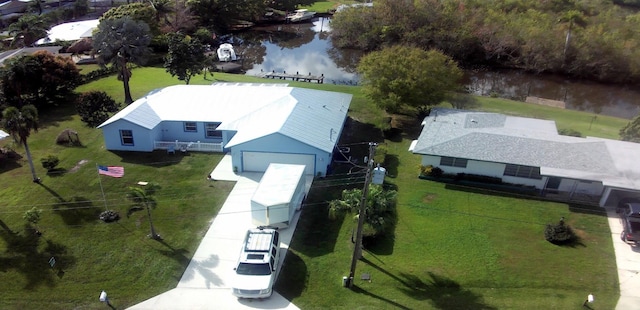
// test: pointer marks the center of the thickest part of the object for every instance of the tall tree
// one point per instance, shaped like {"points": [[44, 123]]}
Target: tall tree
{"points": [[402, 75], [19, 123], [28, 29], [185, 57], [572, 17], [122, 42], [40, 79], [142, 197], [631, 132]]}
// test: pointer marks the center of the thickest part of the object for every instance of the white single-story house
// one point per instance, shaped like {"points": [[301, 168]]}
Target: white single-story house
{"points": [[71, 31], [258, 124], [529, 152]]}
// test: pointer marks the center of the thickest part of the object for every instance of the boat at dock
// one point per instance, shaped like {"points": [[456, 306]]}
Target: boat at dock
{"points": [[299, 15], [226, 53]]}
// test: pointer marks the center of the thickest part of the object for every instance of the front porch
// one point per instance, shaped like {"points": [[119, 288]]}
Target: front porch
{"points": [[185, 146]]}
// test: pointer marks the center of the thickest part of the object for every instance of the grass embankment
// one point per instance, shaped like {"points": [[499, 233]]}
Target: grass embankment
{"points": [[451, 248]]}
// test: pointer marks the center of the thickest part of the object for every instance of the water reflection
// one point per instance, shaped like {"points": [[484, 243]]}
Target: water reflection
{"points": [[304, 48], [613, 100]]}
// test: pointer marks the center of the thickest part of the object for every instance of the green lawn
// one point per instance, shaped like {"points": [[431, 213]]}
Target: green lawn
{"points": [[451, 248]]}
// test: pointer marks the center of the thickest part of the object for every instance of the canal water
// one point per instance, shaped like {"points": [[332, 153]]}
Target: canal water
{"points": [[306, 48]]}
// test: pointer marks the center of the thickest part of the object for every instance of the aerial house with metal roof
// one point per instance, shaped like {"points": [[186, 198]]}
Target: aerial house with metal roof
{"points": [[258, 124]]}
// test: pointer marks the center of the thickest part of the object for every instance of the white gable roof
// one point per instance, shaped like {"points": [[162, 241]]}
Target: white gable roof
{"points": [[253, 110], [278, 184], [532, 142]]}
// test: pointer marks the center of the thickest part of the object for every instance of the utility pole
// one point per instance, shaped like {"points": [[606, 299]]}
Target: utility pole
{"points": [[357, 251]]}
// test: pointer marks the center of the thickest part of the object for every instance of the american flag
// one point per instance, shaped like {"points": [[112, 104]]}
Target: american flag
{"points": [[112, 171]]}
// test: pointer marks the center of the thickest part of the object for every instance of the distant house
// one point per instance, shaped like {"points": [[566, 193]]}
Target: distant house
{"points": [[529, 152], [13, 7], [258, 124], [70, 32]]}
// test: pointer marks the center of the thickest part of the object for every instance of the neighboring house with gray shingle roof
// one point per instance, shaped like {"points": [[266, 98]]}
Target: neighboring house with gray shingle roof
{"points": [[529, 152], [258, 124]]}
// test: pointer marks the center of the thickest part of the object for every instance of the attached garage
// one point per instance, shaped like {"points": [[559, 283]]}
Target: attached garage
{"points": [[260, 161]]}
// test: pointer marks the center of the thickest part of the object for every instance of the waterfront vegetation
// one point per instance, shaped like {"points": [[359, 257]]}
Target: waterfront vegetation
{"points": [[452, 247]]}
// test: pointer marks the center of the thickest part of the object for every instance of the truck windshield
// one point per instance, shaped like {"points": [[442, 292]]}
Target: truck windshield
{"points": [[254, 269]]}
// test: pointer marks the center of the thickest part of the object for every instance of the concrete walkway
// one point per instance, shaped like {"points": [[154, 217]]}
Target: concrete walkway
{"points": [[628, 262], [205, 283]]}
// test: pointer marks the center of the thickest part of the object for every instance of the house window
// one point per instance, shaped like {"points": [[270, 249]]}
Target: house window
{"points": [[190, 127], [211, 132], [126, 137], [453, 162], [522, 171]]}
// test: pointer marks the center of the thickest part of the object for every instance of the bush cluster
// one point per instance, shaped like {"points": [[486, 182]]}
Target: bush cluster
{"points": [[109, 216], [559, 233], [477, 178], [431, 171], [98, 74], [50, 162]]}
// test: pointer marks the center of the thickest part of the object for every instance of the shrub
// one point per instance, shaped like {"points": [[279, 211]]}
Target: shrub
{"points": [[50, 162], [381, 153], [94, 107], [431, 171], [569, 132], [109, 216], [559, 233]]}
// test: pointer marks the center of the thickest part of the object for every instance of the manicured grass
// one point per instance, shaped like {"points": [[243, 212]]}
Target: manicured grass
{"points": [[451, 248]]}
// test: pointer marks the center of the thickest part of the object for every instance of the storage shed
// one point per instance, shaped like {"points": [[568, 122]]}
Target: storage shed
{"points": [[278, 196]]}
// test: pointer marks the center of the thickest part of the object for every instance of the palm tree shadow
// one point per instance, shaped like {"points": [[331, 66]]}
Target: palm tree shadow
{"points": [[396, 305], [443, 292], [193, 266]]}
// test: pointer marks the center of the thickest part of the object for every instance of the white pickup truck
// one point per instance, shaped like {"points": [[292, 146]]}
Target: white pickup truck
{"points": [[257, 267]]}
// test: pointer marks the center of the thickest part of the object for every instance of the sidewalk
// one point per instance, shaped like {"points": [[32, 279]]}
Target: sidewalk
{"points": [[628, 262], [205, 282]]}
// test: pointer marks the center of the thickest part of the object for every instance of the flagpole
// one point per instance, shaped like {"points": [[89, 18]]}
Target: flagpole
{"points": [[104, 198]]}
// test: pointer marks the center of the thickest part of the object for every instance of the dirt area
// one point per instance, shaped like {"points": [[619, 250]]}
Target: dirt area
{"points": [[78, 165]]}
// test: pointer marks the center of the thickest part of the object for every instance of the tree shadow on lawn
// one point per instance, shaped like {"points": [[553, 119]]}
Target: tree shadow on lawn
{"points": [[443, 292], [158, 158], [396, 305], [77, 210], [74, 211], [293, 276], [23, 255], [179, 255]]}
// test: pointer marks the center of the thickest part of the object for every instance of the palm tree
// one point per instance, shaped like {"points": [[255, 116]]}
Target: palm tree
{"points": [[122, 41], [19, 123], [27, 30], [379, 211], [573, 17], [143, 198]]}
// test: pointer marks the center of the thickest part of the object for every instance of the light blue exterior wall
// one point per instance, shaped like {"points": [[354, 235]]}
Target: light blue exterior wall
{"points": [[144, 138], [278, 143], [171, 131]]}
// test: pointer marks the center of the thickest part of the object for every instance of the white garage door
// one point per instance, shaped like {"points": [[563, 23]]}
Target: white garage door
{"points": [[258, 161]]}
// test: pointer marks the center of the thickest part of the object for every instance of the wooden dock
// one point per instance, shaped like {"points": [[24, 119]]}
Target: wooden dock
{"points": [[547, 102], [295, 77]]}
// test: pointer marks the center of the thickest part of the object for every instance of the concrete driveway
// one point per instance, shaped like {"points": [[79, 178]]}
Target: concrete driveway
{"points": [[628, 262], [205, 283]]}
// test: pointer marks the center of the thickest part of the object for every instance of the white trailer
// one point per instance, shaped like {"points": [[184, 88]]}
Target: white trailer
{"points": [[278, 196]]}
